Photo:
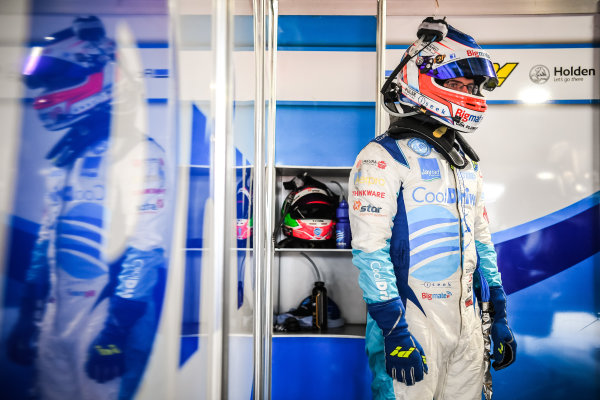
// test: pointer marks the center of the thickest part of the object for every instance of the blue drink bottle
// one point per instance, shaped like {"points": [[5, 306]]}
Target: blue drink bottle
{"points": [[343, 236]]}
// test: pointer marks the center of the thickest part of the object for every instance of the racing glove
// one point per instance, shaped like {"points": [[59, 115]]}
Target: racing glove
{"points": [[404, 357], [106, 354], [505, 346]]}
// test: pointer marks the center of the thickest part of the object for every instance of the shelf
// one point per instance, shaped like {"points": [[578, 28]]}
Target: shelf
{"points": [[292, 250], [313, 170], [348, 330]]}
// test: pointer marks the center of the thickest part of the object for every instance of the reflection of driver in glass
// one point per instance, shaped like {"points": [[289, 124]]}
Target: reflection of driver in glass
{"points": [[89, 310]]}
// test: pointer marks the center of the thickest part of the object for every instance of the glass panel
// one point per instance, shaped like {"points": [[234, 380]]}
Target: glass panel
{"points": [[91, 204]]}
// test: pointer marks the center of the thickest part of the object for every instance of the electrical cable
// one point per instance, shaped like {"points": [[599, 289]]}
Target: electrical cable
{"points": [[319, 279]]}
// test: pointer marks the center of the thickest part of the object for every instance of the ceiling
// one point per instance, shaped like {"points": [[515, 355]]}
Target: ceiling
{"points": [[432, 7], [319, 7]]}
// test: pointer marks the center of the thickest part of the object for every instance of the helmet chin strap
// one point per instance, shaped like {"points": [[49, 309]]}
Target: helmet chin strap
{"points": [[446, 141]]}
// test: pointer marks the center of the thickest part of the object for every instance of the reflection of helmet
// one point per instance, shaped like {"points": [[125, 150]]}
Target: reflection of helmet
{"points": [[70, 70], [457, 55], [309, 214], [244, 209]]}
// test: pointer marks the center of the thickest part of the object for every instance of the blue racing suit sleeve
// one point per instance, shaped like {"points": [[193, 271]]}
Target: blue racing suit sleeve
{"points": [[488, 264], [373, 189]]}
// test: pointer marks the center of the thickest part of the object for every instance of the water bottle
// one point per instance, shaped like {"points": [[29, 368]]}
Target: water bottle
{"points": [[319, 299], [343, 237]]}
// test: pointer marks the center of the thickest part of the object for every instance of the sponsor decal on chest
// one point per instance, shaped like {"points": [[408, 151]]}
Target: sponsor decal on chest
{"points": [[368, 193], [430, 169], [90, 166], [419, 146]]}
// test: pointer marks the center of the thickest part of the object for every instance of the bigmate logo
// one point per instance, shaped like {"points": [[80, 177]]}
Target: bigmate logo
{"points": [[476, 53], [464, 117], [435, 296], [502, 72]]}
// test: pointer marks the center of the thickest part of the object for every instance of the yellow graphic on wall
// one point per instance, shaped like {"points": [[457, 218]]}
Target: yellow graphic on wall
{"points": [[502, 72]]}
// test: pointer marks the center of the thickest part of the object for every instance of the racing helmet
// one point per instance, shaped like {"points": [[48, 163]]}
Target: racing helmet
{"points": [[244, 220], [430, 64], [309, 214], [73, 72]]}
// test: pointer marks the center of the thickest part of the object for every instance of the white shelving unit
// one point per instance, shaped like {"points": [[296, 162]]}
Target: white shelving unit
{"points": [[294, 277]]}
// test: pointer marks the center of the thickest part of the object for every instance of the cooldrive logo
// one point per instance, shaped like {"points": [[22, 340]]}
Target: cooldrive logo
{"points": [[380, 282], [435, 296], [421, 195], [68, 193]]}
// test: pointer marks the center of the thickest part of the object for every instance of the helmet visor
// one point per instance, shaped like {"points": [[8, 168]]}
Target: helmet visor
{"points": [[51, 73], [480, 69], [314, 206]]}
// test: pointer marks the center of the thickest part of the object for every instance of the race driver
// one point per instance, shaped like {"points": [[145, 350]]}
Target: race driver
{"points": [[420, 228], [93, 288]]}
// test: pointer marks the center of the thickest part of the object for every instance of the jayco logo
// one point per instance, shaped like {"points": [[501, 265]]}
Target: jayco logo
{"points": [[430, 169]]}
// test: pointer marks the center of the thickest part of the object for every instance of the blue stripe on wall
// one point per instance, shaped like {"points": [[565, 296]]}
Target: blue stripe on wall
{"points": [[556, 327], [547, 220], [518, 46], [323, 135], [538, 255], [319, 31]]}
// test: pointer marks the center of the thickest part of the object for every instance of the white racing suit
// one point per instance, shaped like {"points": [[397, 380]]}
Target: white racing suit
{"points": [[102, 236], [418, 229]]}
